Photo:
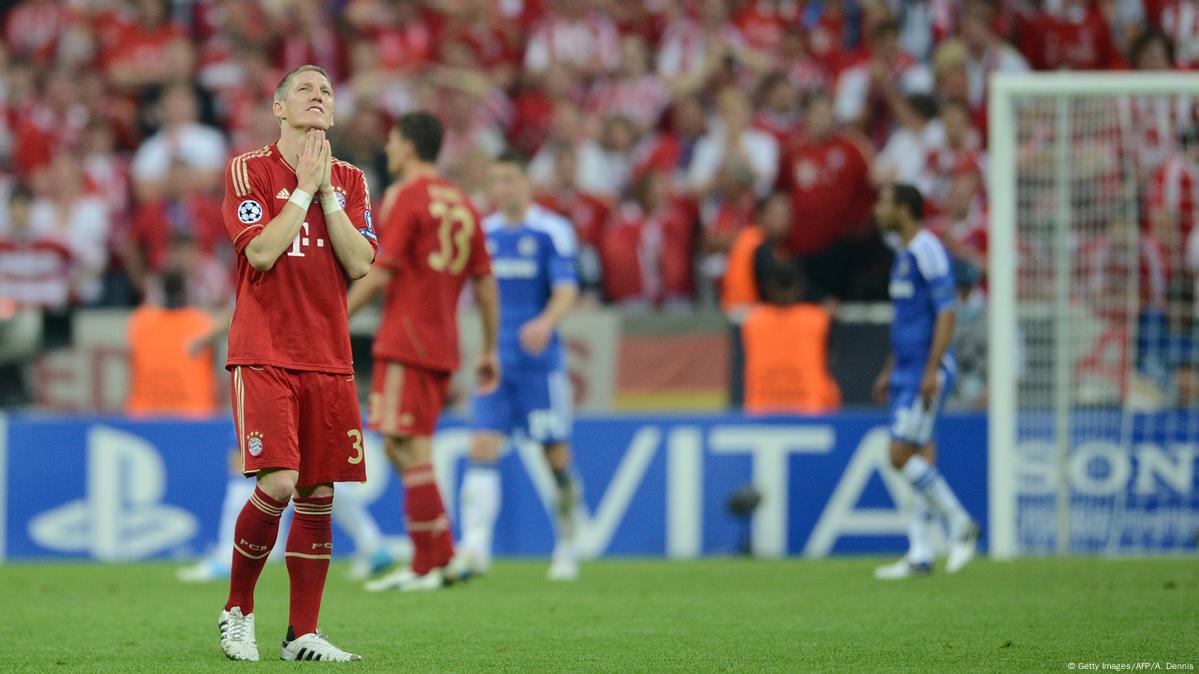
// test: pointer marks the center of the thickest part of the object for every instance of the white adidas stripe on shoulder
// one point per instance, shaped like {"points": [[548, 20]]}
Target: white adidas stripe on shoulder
{"points": [[931, 258]]}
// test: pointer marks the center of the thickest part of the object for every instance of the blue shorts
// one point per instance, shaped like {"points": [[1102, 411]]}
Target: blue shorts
{"points": [[911, 421], [537, 404]]}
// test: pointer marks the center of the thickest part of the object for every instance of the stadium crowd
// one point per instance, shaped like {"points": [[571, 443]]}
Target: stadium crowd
{"points": [[660, 129]]}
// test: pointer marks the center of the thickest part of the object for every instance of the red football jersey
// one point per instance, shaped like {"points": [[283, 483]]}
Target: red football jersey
{"points": [[293, 316], [831, 196], [431, 242]]}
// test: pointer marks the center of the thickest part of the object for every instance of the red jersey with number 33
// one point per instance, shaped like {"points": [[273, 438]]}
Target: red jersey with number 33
{"points": [[431, 242], [293, 316]]}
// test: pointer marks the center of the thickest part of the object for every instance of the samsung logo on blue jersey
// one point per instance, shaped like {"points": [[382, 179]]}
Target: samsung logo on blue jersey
{"points": [[514, 268]]}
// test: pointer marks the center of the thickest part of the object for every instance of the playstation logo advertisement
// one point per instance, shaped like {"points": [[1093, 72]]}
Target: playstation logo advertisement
{"points": [[122, 517]]}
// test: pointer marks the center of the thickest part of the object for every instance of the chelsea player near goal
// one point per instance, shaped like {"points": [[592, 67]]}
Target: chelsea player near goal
{"points": [[533, 260], [917, 378]]}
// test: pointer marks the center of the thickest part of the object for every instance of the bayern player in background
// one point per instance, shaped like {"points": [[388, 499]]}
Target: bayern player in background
{"points": [[534, 260], [918, 377], [294, 402], [431, 244]]}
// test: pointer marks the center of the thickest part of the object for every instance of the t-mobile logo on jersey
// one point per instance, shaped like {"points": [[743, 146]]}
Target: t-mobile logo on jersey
{"points": [[302, 241]]}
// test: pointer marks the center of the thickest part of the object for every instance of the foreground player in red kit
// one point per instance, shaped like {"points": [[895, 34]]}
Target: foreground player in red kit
{"points": [[294, 403], [431, 244]]}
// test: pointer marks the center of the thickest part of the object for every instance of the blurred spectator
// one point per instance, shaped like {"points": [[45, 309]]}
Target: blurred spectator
{"points": [[673, 151], [874, 83], [779, 276], [106, 170], [80, 220], [306, 35], [544, 109], [355, 140], [828, 33], [827, 174], [180, 138], [469, 126], [401, 32], [179, 210], [33, 29], [963, 221], [986, 52], [970, 338], [35, 275], [35, 265], [473, 35], [739, 288], [1180, 22], [777, 103], [586, 212], [955, 151], [152, 51], [565, 131], [902, 158], [165, 377], [575, 34], [786, 352], [923, 24], [694, 51], [53, 121], [635, 92], [1070, 34], [1172, 201], [763, 23], [803, 70], [606, 165], [731, 147], [646, 247]]}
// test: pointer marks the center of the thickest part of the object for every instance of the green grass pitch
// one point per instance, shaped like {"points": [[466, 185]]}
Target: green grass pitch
{"points": [[632, 616]]}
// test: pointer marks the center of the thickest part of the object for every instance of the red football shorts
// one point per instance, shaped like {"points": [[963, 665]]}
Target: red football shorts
{"points": [[406, 400], [305, 421]]}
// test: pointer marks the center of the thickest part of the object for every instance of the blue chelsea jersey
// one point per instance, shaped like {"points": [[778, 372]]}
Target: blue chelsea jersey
{"points": [[528, 260], [921, 288]]}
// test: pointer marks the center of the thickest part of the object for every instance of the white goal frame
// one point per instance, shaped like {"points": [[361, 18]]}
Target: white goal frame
{"points": [[1002, 366]]}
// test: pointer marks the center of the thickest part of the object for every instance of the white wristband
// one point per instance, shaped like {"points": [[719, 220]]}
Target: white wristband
{"points": [[301, 198], [330, 203]]}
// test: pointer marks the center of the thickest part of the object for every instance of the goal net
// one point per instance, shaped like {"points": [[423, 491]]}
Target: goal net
{"points": [[1094, 409]]}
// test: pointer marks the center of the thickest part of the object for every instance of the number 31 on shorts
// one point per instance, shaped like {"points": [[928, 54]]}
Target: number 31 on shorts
{"points": [[355, 435]]}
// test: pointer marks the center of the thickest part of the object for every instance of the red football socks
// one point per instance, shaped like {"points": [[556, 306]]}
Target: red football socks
{"points": [[253, 537], [309, 547], [428, 526]]}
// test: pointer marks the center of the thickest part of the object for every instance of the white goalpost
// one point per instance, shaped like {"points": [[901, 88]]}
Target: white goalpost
{"points": [[1093, 411]]}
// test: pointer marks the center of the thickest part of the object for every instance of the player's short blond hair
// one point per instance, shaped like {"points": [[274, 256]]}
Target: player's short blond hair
{"points": [[284, 87]]}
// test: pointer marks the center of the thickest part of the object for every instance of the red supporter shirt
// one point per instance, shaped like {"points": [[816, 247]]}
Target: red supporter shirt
{"points": [[431, 243], [293, 316], [830, 192], [586, 211], [1076, 39], [154, 224]]}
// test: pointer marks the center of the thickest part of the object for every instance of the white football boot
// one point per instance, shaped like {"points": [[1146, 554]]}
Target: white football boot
{"points": [[564, 566], [470, 557], [203, 571], [314, 647], [903, 569], [963, 548], [405, 580], [237, 635]]}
